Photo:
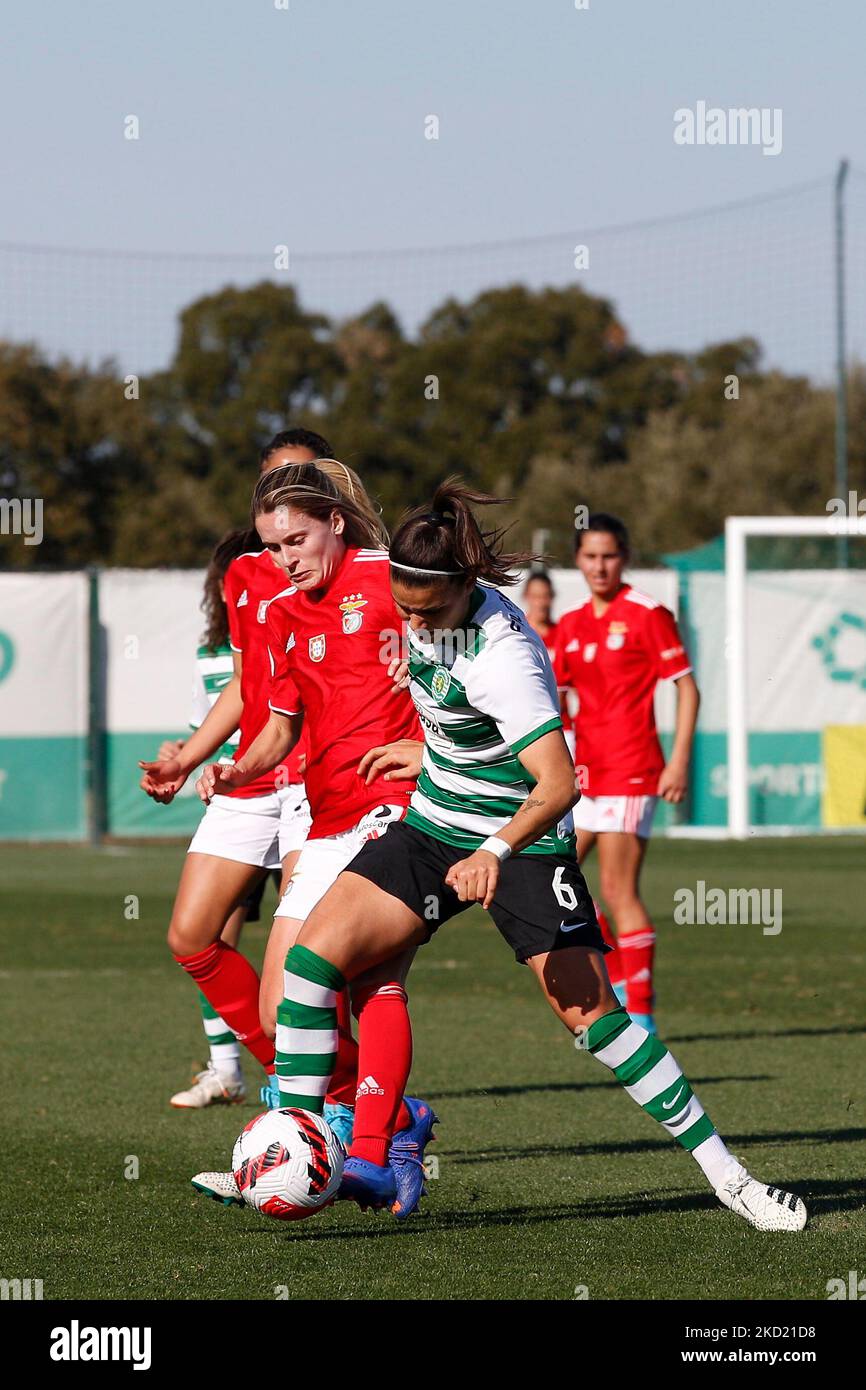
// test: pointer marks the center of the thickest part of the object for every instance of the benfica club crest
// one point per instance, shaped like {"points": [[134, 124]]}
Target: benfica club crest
{"points": [[263, 611], [351, 610], [616, 636], [317, 647]]}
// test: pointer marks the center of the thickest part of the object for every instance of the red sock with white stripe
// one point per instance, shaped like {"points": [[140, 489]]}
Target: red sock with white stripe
{"points": [[231, 987], [637, 951], [612, 960], [384, 1063]]}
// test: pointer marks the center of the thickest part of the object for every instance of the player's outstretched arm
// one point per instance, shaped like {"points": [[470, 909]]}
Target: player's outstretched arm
{"points": [[164, 778], [267, 751]]}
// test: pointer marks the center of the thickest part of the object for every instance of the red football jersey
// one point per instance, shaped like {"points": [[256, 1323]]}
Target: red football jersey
{"points": [[614, 663], [251, 582], [550, 640], [330, 658]]}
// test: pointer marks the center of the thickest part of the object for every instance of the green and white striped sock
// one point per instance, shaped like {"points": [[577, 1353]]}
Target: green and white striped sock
{"points": [[307, 1029], [652, 1077], [225, 1050]]}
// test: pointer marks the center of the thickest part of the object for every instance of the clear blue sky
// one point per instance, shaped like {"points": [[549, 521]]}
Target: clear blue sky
{"points": [[261, 126]]}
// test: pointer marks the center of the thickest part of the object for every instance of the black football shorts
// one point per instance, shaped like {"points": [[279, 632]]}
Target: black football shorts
{"points": [[542, 902]]}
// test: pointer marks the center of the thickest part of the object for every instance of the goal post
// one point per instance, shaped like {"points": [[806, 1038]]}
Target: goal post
{"points": [[738, 531]]}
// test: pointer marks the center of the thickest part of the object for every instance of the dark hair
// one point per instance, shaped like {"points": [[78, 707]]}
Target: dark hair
{"points": [[233, 544], [604, 521], [297, 439], [444, 536], [318, 491], [538, 573]]}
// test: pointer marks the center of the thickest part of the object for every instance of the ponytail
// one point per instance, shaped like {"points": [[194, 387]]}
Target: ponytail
{"points": [[444, 538], [231, 545]]}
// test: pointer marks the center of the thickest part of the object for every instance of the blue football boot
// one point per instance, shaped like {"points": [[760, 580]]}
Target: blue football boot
{"points": [[367, 1184], [406, 1157]]}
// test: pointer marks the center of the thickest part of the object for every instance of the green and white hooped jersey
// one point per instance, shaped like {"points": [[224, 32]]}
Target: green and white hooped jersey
{"points": [[483, 694], [213, 671]]}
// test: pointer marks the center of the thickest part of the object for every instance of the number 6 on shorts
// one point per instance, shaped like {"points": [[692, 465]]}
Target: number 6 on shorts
{"points": [[565, 894]]}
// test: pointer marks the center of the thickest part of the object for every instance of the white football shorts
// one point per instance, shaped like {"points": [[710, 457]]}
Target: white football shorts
{"points": [[322, 860], [632, 815], [258, 830]]}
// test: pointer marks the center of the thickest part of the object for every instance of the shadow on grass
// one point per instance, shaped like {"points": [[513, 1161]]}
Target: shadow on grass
{"points": [[846, 1030], [508, 1153], [479, 1092], [823, 1197]]}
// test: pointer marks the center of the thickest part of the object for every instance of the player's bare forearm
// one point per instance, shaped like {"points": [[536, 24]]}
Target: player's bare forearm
{"points": [[217, 728], [555, 792], [688, 704], [267, 751]]}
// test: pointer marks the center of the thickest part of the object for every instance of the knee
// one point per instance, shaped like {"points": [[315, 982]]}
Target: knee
{"points": [[610, 888], [186, 936], [617, 891]]}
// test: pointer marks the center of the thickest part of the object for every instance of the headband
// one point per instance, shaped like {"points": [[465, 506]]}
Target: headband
{"points": [[416, 569]]}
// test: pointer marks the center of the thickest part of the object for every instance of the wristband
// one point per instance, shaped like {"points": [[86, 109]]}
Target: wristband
{"points": [[494, 845]]}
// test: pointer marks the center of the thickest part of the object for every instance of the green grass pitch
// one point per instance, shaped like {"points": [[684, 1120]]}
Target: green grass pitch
{"points": [[551, 1181]]}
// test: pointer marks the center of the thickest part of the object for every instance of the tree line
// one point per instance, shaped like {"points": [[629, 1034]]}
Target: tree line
{"points": [[537, 396]]}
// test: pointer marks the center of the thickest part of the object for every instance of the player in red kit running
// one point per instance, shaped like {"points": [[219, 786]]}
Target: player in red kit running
{"points": [[612, 652]]}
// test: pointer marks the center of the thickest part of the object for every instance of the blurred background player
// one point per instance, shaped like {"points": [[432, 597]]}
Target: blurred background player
{"points": [[538, 596], [259, 828], [612, 652], [222, 1079]]}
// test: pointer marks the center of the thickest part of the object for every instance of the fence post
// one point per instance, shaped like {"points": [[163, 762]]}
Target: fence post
{"points": [[96, 766]]}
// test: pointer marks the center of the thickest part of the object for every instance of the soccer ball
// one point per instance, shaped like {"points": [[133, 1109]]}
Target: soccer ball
{"points": [[288, 1163]]}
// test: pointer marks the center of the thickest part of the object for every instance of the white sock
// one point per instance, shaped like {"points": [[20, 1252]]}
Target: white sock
{"points": [[714, 1159], [226, 1057]]}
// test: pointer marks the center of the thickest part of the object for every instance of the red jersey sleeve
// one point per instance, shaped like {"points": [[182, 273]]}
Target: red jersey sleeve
{"points": [[666, 645], [232, 588], [557, 660], [565, 631], [283, 695]]}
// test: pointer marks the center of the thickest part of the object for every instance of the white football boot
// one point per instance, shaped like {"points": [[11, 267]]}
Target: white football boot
{"points": [[210, 1088], [221, 1186], [767, 1208]]}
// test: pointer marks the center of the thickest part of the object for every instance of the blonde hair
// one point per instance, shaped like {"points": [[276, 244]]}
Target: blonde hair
{"points": [[319, 488]]}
